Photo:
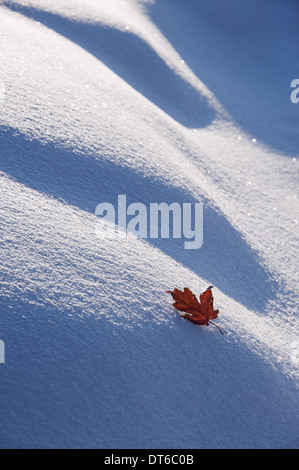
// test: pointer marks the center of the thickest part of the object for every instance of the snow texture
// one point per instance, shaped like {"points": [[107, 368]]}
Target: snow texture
{"points": [[162, 101]]}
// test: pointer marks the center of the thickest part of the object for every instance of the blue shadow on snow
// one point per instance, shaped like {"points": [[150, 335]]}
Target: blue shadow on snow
{"points": [[84, 181], [134, 61]]}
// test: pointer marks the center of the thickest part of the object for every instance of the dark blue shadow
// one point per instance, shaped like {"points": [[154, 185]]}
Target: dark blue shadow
{"points": [[225, 259], [244, 51], [73, 383], [135, 62]]}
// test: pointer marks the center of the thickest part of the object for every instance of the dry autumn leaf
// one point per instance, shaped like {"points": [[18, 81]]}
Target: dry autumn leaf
{"points": [[200, 313]]}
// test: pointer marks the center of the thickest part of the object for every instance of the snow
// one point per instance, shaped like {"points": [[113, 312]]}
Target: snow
{"points": [[161, 101]]}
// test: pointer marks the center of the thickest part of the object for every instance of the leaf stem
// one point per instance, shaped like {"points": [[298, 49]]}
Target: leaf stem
{"points": [[216, 327]]}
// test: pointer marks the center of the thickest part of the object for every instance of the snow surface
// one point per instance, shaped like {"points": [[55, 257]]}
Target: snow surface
{"points": [[162, 101]]}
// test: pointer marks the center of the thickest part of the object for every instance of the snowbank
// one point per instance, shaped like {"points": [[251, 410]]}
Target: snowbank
{"points": [[136, 98]]}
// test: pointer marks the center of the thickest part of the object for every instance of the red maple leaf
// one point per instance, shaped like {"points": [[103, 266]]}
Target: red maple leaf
{"points": [[199, 313]]}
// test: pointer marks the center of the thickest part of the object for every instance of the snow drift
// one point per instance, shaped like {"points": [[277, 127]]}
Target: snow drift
{"points": [[163, 102]]}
